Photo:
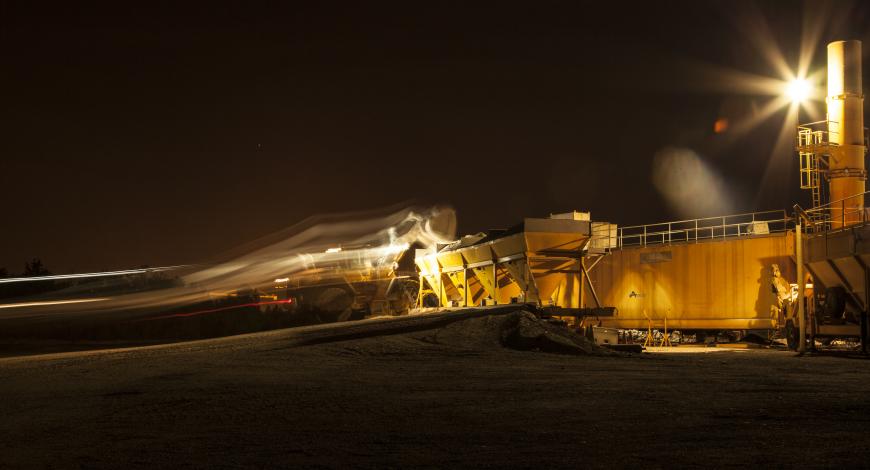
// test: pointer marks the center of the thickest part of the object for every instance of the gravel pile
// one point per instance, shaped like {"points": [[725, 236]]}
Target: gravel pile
{"points": [[520, 330]]}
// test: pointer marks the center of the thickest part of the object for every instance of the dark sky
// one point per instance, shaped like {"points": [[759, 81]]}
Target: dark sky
{"points": [[148, 135]]}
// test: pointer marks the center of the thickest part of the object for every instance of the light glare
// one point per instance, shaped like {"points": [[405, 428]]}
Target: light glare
{"points": [[798, 90]]}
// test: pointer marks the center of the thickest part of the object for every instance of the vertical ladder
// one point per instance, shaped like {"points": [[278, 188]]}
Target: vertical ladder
{"points": [[808, 142], [810, 176]]}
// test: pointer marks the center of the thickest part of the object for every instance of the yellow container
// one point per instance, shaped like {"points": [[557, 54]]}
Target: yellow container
{"points": [[721, 284]]}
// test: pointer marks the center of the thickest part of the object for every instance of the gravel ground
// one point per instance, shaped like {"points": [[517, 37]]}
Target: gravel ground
{"points": [[448, 396]]}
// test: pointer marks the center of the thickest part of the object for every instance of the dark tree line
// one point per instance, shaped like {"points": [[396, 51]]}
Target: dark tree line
{"points": [[32, 268], [35, 268]]}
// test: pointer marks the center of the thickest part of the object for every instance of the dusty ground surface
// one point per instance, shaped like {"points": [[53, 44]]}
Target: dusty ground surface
{"points": [[440, 398]]}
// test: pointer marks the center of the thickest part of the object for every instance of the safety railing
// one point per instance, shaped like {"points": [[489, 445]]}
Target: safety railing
{"points": [[814, 137], [813, 134], [711, 228], [841, 213]]}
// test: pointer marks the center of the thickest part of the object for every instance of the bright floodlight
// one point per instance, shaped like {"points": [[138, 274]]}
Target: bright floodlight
{"points": [[798, 90]]}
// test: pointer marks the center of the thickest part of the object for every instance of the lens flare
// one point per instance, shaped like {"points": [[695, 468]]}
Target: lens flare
{"points": [[689, 185]]}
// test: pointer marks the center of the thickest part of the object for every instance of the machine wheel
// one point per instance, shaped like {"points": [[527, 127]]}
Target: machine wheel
{"points": [[410, 290], [430, 300], [792, 336], [333, 304], [333, 299], [402, 296]]}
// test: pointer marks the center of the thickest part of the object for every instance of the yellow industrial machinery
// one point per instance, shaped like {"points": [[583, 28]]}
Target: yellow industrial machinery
{"points": [[545, 262], [834, 303]]}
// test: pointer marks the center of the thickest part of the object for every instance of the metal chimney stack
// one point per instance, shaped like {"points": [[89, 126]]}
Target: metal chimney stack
{"points": [[846, 132]]}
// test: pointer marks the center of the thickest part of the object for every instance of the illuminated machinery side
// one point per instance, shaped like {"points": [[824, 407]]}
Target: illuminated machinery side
{"points": [[542, 261]]}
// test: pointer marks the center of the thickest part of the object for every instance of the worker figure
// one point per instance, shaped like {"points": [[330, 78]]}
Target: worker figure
{"points": [[781, 291]]}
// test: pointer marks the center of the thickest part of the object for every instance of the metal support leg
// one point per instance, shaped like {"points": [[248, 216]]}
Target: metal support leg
{"points": [[495, 283], [864, 325], [802, 286], [420, 291], [442, 300], [465, 287], [589, 283]]}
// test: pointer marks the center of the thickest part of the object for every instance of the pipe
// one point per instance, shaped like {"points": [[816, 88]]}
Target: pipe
{"points": [[846, 132], [801, 215]]}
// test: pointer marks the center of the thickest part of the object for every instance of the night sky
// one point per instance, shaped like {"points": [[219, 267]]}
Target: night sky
{"points": [[137, 135]]}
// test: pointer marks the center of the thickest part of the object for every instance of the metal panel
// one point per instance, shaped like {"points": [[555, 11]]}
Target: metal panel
{"points": [[511, 245], [853, 275], [823, 273], [477, 253]]}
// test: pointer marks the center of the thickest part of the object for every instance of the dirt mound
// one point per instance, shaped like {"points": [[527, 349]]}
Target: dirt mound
{"points": [[520, 330]]}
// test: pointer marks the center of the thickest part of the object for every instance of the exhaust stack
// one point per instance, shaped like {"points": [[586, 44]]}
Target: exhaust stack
{"points": [[845, 100]]}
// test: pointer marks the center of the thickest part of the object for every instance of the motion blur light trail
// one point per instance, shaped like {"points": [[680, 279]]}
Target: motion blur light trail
{"points": [[52, 302], [61, 277], [373, 239]]}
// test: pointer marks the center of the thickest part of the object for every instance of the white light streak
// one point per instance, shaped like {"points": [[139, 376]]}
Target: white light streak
{"points": [[53, 302], [57, 277]]}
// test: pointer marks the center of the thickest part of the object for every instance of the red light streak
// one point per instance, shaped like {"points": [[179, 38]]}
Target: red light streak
{"points": [[213, 310]]}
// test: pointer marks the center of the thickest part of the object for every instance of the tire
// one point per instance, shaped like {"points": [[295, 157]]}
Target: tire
{"points": [[334, 299], [402, 297], [431, 300], [333, 304]]}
